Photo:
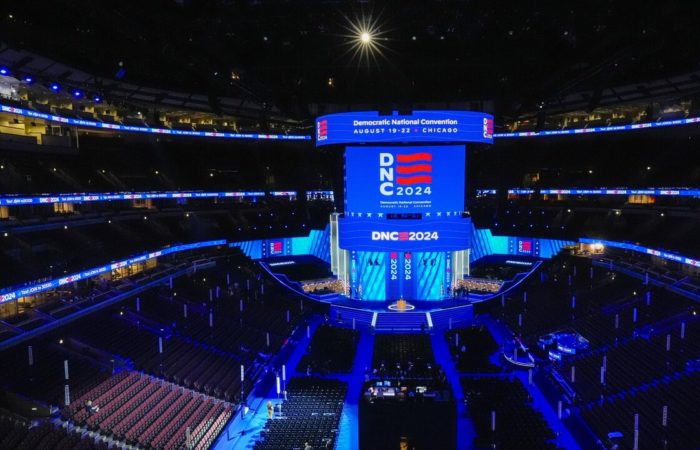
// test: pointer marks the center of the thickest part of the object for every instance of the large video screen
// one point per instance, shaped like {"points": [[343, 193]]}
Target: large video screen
{"points": [[369, 127], [382, 180], [381, 235]]}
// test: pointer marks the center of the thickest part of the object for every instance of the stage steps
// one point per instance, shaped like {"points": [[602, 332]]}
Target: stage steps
{"points": [[456, 317], [363, 318], [390, 321], [403, 321]]}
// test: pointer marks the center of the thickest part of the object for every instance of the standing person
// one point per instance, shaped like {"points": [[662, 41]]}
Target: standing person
{"points": [[269, 409]]}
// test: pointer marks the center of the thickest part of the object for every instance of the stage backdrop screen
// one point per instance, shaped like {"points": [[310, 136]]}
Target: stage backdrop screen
{"points": [[381, 180]]}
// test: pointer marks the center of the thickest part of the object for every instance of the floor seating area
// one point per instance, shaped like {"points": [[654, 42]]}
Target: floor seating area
{"points": [[331, 350], [18, 434], [518, 425], [311, 414], [608, 307], [162, 364], [679, 393], [152, 413], [632, 363], [403, 356], [44, 379], [643, 349], [471, 348]]}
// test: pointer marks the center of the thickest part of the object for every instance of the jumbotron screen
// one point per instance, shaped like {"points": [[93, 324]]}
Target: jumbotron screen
{"points": [[381, 180]]}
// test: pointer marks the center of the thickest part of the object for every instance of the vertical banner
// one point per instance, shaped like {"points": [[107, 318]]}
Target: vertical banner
{"points": [[448, 274], [353, 275], [393, 275], [407, 280]]}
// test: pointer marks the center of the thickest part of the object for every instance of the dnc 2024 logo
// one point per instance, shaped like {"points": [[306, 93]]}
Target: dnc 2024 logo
{"points": [[405, 173]]}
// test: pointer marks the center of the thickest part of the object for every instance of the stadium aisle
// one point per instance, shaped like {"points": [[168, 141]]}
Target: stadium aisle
{"points": [[465, 428], [349, 432], [503, 338], [241, 433]]}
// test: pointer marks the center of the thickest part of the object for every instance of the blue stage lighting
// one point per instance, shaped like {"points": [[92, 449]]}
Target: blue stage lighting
{"points": [[55, 87], [77, 94], [28, 79], [4, 71], [97, 99]]}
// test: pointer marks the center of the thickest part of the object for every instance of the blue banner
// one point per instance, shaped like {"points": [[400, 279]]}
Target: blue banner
{"points": [[420, 126]]}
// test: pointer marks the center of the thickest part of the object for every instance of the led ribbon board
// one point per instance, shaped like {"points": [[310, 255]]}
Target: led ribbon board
{"points": [[11, 200], [645, 250], [608, 129], [35, 288], [370, 127], [149, 130]]}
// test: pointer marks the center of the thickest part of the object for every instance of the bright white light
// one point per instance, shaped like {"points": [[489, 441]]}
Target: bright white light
{"points": [[365, 40]]}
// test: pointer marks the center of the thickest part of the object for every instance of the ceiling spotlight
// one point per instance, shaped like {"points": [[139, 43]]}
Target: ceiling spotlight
{"points": [[365, 40], [28, 80], [4, 71], [55, 87]]}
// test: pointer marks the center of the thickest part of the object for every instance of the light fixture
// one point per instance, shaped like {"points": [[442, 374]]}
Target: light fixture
{"points": [[55, 87], [364, 39]]}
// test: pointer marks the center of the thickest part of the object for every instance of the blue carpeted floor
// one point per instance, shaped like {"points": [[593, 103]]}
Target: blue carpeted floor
{"points": [[349, 432], [465, 429]]}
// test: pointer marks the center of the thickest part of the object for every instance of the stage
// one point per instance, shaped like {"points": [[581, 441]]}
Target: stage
{"points": [[424, 315]]}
